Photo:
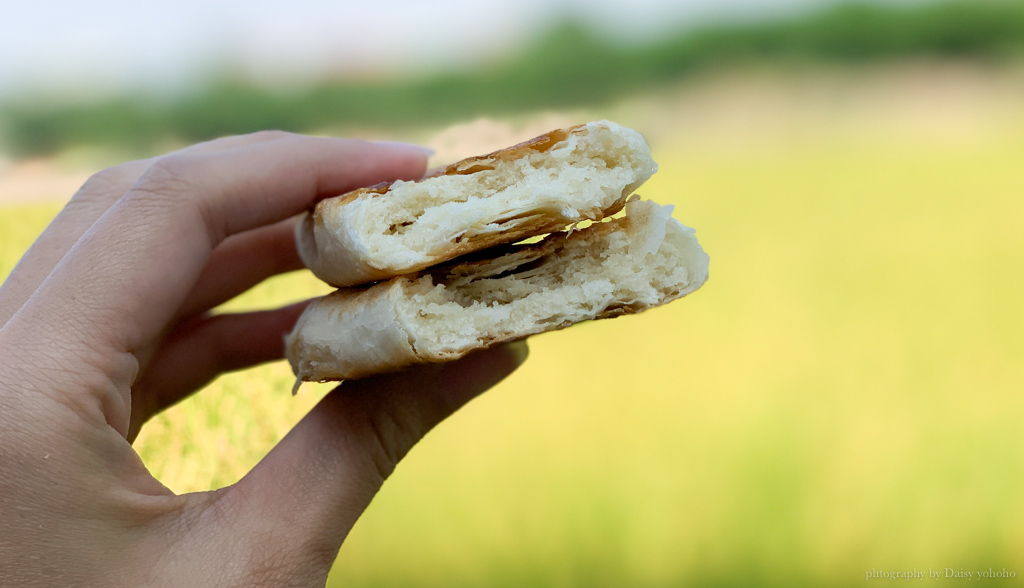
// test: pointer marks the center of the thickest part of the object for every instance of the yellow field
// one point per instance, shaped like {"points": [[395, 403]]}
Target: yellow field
{"points": [[845, 393]]}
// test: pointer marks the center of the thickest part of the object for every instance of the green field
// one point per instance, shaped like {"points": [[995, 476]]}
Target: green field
{"points": [[565, 64], [845, 393]]}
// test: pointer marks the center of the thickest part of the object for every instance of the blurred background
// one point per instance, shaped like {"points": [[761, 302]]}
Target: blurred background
{"points": [[844, 395]]}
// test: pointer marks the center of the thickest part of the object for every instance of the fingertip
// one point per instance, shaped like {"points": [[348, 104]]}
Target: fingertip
{"points": [[482, 370], [519, 350], [410, 160], [425, 152], [371, 162]]}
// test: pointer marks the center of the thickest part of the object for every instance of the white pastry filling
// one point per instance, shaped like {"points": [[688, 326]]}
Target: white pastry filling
{"points": [[565, 181], [530, 290]]}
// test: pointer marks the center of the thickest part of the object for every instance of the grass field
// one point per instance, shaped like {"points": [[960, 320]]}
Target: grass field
{"points": [[844, 394]]}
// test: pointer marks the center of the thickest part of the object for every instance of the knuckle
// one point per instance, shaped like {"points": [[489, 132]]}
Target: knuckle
{"points": [[271, 135], [118, 177], [266, 566], [169, 184], [276, 560], [319, 556], [101, 181], [391, 433], [103, 188], [276, 555], [168, 175]]}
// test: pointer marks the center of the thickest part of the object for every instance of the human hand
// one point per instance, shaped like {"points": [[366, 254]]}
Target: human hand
{"points": [[105, 322]]}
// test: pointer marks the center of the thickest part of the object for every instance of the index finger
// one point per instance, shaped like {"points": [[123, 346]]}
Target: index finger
{"points": [[88, 204], [122, 282]]}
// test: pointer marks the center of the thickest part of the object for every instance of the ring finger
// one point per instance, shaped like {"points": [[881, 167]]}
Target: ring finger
{"points": [[93, 199]]}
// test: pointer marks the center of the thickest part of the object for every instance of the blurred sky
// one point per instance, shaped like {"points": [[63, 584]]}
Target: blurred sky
{"points": [[103, 45]]}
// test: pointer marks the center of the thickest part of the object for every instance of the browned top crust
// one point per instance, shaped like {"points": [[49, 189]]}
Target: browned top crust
{"points": [[466, 166]]}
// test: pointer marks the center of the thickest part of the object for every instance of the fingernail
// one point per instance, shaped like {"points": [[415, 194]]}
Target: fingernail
{"points": [[426, 151]]}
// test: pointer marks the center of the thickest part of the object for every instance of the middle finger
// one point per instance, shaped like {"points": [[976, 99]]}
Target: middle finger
{"points": [[89, 203]]}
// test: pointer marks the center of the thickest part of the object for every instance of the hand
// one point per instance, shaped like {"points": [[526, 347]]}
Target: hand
{"points": [[105, 322]]}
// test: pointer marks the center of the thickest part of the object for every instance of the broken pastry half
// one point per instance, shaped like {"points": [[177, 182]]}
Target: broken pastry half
{"points": [[621, 266], [560, 178]]}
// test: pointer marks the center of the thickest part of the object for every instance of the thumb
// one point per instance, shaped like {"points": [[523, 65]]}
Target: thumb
{"points": [[308, 492]]}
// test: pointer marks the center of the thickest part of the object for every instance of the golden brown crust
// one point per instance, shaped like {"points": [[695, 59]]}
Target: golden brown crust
{"points": [[341, 242], [539, 144], [358, 332], [336, 256], [468, 165], [376, 190]]}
